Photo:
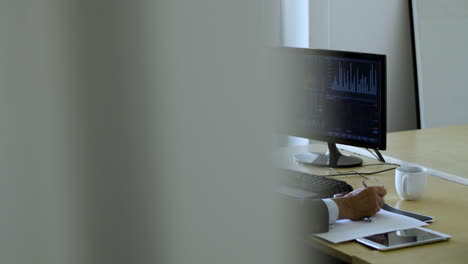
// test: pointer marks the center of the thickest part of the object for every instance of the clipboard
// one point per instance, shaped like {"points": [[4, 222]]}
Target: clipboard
{"points": [[420, 217]]}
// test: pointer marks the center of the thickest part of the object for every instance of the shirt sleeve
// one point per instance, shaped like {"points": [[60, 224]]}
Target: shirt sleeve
{"points": [[333, 210]]}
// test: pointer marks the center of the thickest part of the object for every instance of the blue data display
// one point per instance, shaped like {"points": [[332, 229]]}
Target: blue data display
{"points": [[352, 76], [340, 97]]}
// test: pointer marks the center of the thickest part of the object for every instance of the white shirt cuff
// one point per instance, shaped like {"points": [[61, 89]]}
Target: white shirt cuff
{"points": [[333, 211]]}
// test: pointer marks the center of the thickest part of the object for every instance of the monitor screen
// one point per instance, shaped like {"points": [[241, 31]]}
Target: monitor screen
{"points": [[337, 97]]}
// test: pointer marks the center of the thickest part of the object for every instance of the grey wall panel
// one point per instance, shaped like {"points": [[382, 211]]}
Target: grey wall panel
{"points": [[441, 40], [374, 26]]}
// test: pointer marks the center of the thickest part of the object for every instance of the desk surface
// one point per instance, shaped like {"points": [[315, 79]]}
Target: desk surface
{"points": [[444, 149]]}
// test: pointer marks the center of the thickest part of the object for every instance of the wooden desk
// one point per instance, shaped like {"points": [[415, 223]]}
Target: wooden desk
{"points": [[444, 149], [441, 149]]}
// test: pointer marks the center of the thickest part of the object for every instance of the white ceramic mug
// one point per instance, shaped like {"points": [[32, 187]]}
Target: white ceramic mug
{"points": [[410, 182]]}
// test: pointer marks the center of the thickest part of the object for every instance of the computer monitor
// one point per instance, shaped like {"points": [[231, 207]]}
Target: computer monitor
{"points": [[336, 97]]}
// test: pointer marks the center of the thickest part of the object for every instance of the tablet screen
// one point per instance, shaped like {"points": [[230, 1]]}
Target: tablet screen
{"points": [[403, 238]]}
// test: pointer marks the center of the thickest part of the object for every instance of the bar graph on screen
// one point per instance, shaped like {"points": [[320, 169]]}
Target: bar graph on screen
{"points": [[353, 77]]}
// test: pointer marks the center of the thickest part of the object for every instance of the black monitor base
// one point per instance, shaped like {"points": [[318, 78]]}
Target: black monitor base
{"points": [[332, 159]]}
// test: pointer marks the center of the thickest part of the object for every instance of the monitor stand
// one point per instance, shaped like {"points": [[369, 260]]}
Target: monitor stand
{"points": [[332, 159]]}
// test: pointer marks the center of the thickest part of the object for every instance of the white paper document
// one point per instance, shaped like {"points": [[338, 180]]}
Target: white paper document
{"points": [[384, 221]]}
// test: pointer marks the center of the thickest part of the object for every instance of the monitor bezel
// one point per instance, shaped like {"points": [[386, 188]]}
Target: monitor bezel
{"points": [[382, 145]]}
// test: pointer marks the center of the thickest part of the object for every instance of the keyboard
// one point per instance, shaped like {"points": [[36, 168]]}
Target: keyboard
{"points": [[322, 186]]}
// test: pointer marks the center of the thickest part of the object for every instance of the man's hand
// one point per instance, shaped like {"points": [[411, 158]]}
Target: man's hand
{"points": [[361, 203]]}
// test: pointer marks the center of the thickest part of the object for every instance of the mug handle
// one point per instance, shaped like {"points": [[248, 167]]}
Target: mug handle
{"points": [[404, 184]]}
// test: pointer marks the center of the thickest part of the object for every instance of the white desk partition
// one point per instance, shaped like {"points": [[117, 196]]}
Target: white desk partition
{"points": [[441, 38]]}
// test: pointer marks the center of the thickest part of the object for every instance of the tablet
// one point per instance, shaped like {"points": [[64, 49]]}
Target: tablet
{"points": [[403, 238]]}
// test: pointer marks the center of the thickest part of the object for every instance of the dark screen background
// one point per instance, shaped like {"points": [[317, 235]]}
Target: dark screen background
{"points": [[336, 98]]}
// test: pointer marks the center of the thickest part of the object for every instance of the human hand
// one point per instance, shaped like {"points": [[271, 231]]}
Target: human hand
{"points": [[360, 203]]}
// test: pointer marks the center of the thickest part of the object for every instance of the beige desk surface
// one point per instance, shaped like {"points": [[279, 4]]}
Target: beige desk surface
{"points": [[443, 149]]}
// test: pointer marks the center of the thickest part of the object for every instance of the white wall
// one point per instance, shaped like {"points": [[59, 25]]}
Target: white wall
{"points": [[295, 33], [295, 23], [374, 26]]}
